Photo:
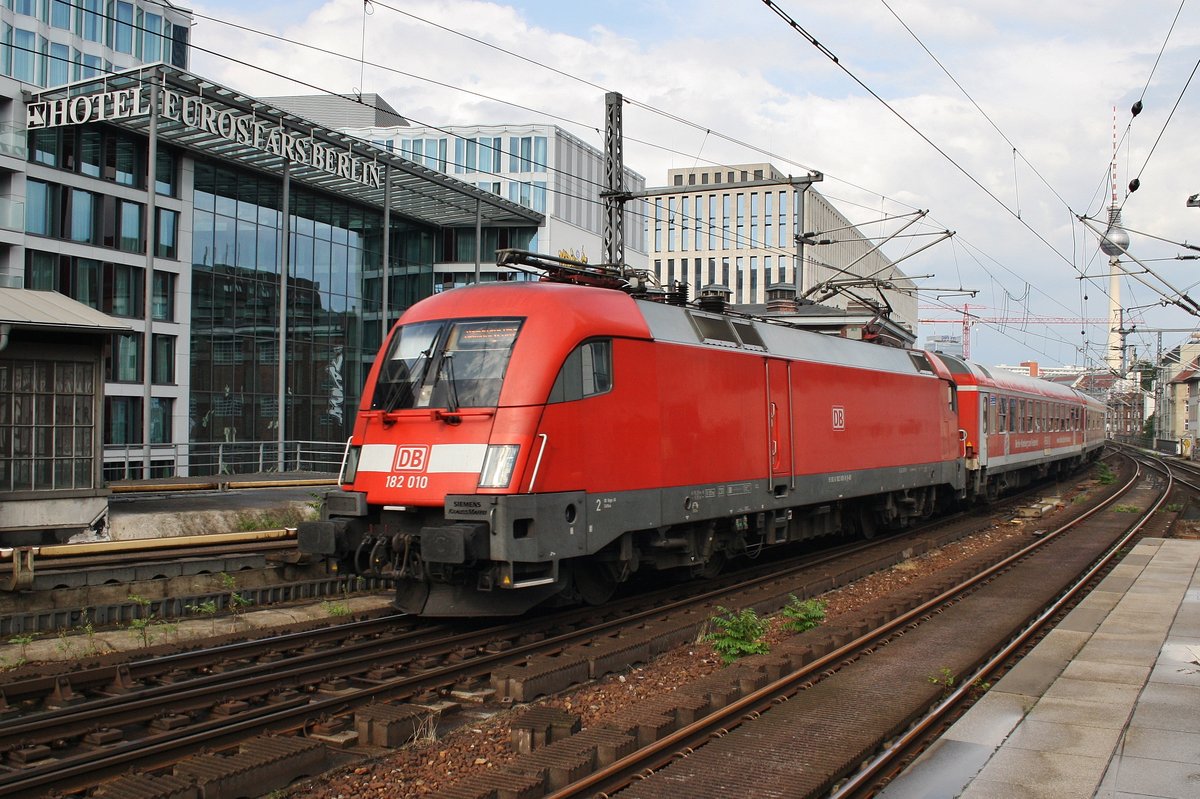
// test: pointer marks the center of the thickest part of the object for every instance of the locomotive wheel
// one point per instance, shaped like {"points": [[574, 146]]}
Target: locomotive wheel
{"points": [[593, 582], [712, 567], [862, 523]]}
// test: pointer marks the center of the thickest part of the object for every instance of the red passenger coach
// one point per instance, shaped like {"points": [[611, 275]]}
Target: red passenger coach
{"points": [[1019, 429], [527, 441]]}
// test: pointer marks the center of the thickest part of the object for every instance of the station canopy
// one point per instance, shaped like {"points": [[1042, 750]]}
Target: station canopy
{"points": [[46, 311], [199, 115]]}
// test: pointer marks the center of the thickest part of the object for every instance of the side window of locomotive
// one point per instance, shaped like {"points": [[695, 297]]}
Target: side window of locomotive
{"points": [[586, 372]]}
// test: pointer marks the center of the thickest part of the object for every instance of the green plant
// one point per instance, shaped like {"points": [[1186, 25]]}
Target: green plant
{"points": [[206, 608], [273, 518], [237, 602], [66, 645], [803, 614], [980, 686], [1127, 508], [88, 628], [737, 633], [23, 641], [1104, 475], [1079, 498], [335, 608], [944, 678], [343, 608], [142, 625], [1173, 507]]}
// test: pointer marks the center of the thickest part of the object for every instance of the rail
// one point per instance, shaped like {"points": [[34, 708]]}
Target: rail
{"points": [[222, 458]]}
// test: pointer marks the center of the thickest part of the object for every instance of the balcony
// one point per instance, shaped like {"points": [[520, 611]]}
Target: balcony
{"points": [[12, 215], [13, 141]]}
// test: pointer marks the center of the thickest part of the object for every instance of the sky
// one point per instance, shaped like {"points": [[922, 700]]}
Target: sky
{"points": [[994, 116]]}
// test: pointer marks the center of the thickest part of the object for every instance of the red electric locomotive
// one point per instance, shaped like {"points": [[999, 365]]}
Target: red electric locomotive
{"points": [[524, 441]]}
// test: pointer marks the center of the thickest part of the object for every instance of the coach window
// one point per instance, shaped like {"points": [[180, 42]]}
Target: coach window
{"points": [[1012, 415], [587, 372]]}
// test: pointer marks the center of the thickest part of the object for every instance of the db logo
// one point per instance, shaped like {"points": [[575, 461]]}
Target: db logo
{"points": [[839, 417], [411, 459]]}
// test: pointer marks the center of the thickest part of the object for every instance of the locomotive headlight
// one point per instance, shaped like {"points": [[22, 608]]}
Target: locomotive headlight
{"points": [[498, 465]]}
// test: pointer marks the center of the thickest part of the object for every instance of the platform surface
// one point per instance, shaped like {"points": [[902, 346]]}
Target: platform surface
{"points": [[1107, 705]]}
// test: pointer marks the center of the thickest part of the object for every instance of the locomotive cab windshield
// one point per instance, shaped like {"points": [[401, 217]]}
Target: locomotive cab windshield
{"points": [[452, 363]]}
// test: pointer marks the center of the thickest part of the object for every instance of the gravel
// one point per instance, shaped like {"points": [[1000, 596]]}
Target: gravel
{"points": [[429, 766]]}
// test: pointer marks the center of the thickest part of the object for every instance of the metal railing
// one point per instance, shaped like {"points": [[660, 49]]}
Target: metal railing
{"points": [[1167, 446], [223, 458]]}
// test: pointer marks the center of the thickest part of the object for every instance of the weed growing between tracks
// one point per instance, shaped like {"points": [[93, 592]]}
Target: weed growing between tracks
{"points": [[145, 626], [237, 602], [273, 518], [22, 641], [335, 609], [803, 614], [737, 634]]}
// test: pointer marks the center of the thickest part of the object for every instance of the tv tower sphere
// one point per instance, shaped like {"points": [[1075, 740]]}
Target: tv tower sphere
{"points": [[1116, 239]]}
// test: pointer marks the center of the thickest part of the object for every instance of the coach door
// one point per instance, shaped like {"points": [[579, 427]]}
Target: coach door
{"points": [[780, 426], [987, 423]]}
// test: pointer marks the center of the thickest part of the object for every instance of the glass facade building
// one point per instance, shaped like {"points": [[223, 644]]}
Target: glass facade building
{"points": [[228, 347], [52, 42], [539, 167]]}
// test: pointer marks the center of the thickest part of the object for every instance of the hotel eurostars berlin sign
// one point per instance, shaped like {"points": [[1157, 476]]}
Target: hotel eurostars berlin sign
{"points": [[210, 117]]}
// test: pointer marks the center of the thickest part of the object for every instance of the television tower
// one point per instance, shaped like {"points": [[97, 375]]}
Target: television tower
{"points": [[1114, 244]]}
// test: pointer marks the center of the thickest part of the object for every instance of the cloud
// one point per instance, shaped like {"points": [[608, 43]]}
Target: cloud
{"points": [[1046, 74]]}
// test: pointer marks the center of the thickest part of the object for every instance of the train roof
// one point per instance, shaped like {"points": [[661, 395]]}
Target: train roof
{"points": [[687, 325], [571, 313], [566, 306], [966, 373]]}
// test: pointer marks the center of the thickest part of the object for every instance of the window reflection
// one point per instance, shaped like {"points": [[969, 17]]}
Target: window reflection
{"points": [[235, 308]]}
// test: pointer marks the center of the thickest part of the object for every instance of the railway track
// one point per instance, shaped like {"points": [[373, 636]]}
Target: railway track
{"points": [[74, 730], [69, 732], [283, 685], [51, 589], [810, 721]]}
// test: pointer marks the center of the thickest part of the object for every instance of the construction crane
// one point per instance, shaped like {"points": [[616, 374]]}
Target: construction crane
{"points": [[970, 318]]}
